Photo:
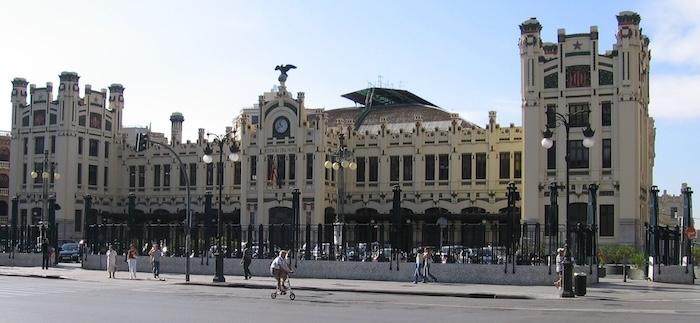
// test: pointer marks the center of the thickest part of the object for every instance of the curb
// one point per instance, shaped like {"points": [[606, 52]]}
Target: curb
{"points": [[35, 276], [368, 291]]}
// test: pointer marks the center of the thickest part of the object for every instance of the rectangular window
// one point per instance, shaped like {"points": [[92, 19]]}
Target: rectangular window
{"points": [[578, 115], [183, 176], [407, 168], [271, 169], [132, 176], [80, 146], [444, 167], [39, 169], [26, 146], [106, 149], [156, 175], [193, 175], [481, 166], [552, 156], [373, 169], [429, 167], [360, 175], [607, 153], [237, 173], [210, 174], [38, 145], [24, 174], [78, 227], [142, 176], [606, 110], [309, 166], [518, 164], [281, 163], [80, 174], [504, 165], [81, 121], [53, 144], [466, 166], [166, 175], [292, 167], [94, 148], [607, 220], [253, 168], [219, 173], [578, 154], [551, 116], [92, 175], [39, 117], [106, 176], [394, 168]]}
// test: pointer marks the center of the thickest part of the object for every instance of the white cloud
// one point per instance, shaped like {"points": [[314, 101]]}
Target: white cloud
{"points": [[676, 31], [675, 96]]}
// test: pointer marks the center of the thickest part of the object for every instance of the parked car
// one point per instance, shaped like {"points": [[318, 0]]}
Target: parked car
{"points": [[69, 252]]}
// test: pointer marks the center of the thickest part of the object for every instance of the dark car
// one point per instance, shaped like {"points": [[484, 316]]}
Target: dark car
{"points": [[69, 252]]}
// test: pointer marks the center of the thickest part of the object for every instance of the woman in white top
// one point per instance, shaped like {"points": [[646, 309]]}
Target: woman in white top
{"points": [[111, 261]]}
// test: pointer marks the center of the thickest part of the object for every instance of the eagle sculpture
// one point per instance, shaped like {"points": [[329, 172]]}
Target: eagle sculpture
{"points": [[283, 71]]}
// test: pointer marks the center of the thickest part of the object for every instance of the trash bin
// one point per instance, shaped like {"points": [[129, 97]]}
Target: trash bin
{"points": [[580, 284]]}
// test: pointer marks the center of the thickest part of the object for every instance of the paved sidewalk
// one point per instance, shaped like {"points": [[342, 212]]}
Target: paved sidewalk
{"points": [[609, 289]]}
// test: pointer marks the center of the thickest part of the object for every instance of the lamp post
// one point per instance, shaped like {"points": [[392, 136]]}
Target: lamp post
{"points": [[558, 119], [341, 159], [47, 173], [220, 140]]}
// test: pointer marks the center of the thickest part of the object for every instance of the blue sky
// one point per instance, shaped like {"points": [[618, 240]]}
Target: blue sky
{"points": [[209, 59]]}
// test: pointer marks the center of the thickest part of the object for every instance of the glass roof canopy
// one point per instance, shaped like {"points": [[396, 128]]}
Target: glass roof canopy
{"points": [[383, 96]]}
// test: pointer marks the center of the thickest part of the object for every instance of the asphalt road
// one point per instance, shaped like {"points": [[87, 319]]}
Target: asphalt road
{"points": [[26, 300]]}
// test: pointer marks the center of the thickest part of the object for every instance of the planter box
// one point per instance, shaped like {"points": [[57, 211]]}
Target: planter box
{"points": [[601, 272], [636, 274]]}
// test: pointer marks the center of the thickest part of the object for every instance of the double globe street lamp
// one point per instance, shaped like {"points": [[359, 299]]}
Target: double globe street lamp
{"points": [[340, 160], [47, 173], [555, 119], [234, 156]]}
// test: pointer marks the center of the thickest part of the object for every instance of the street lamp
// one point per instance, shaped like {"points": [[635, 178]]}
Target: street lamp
{"points": [[47, 173], [341, 159], [559, 119], [221, 140]]}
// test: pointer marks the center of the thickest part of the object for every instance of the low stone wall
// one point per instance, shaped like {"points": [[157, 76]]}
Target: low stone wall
{"points": [[672, 274], [20, 260], [449, 273]]}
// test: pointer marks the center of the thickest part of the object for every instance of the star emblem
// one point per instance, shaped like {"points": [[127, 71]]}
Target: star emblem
{"points": [[577, 45]]}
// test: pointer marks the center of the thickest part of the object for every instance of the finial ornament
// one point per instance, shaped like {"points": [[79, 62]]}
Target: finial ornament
{"points": [[283, 72]]}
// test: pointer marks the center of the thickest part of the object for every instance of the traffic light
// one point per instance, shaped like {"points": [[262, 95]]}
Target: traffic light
{"points": [[141, 142]]}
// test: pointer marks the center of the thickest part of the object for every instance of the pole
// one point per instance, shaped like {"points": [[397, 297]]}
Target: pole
{"points": [[219, 275], [567, 288]]}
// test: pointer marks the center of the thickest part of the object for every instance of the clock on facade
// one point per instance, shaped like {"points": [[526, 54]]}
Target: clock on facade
{"points": [[281, 126]]}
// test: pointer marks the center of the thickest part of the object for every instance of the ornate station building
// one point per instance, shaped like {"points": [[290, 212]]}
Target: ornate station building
{"points": [[450, 171]]}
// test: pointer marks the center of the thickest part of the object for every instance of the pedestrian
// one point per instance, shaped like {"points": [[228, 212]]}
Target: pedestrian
{"points": [[131, 259], [111, 261], [418, 273], [155, 254], [247, 259], [45, 254], [428, 259], [560, 267], [280, 270]]}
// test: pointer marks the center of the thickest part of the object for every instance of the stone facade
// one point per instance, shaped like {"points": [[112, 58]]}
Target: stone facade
{"points": [[4, 177], [570, 76]]}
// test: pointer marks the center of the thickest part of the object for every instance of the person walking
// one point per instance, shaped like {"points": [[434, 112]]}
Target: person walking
{"points": [[131, 257], [155, 254], [418, 273], [426, 267], [111, 261], [45, 254], [247, 259], [560, 267]]}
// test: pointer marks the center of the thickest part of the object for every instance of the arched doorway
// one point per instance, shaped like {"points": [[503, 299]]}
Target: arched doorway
{"points": [[434, 228], [473, 228], [281, 229]]}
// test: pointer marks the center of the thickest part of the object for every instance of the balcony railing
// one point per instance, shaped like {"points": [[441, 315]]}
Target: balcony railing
{"points": [[4, 191], [4, 165]]}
